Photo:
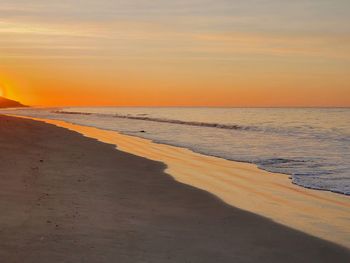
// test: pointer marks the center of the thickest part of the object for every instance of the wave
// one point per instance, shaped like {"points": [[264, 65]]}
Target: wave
{"points": [[71, 112], [142, 117]]}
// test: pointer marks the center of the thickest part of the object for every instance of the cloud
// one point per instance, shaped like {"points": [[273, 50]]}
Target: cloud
{"points": [[48, 29], [191, 29]]}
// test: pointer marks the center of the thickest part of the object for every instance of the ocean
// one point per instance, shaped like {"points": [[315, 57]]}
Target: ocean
{"points": [[312, 145]]}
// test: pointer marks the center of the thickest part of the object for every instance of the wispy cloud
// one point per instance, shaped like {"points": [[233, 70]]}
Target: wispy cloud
{"points": [[42, 29], [172, 29]]}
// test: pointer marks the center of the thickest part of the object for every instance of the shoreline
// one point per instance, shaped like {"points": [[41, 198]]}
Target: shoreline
{"points": [[294, 179], [322, 214]]}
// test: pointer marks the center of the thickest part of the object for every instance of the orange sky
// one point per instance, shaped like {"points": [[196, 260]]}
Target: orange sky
{"points": [[165, 53]]}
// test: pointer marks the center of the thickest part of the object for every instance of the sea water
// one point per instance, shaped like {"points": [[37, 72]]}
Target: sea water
{"points": [[312, 145]]}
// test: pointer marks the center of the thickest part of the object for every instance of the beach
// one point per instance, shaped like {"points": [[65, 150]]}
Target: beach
{"points": [[69, 198], [322, 214]]}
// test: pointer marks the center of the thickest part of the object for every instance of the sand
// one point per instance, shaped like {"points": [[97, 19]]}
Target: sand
{"points": [[319, 213], [69, 198]]}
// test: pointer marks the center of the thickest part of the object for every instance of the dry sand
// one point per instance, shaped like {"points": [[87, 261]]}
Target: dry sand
{"points": [[68, 198]]}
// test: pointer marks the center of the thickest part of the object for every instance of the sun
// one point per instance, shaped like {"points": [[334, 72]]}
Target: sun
{"points": [[2, 91]]}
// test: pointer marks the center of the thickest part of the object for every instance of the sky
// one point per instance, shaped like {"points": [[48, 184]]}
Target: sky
{"points": [[251, 53]]}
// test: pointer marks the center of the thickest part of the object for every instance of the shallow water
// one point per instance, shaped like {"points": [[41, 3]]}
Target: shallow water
{"points": [[311, 145]]}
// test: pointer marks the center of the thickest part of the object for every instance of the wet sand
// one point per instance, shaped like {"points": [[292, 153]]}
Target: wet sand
{"points": [[69, 198]]}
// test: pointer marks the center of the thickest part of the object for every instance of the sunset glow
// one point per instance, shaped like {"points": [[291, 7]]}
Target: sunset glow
{"points": [[176, 53]]}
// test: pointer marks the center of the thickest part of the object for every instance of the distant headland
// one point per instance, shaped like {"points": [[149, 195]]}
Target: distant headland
{"points": [[7, 103]]}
